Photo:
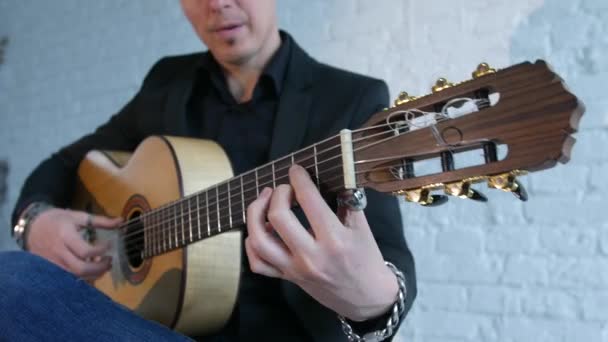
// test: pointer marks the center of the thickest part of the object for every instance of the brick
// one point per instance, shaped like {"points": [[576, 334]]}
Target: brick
{"points": [[594, 305], [551, 181], [512, 239], [599, 178], [548, 330], [454, 240], [562, 210], [434, 296], [604, 238], [569, 241], [526, 270], [549, 303], [578, 273], [447, 324], [493, 300], [586, 150]]}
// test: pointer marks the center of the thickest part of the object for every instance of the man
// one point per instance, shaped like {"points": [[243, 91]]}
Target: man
{"points": [[255, 80]]}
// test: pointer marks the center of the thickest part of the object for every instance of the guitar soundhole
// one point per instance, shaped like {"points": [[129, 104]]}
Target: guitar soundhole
{"points": [[134, 241]]}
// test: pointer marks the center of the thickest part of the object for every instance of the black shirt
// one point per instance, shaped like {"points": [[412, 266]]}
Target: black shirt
{"points": [[244, 130]]}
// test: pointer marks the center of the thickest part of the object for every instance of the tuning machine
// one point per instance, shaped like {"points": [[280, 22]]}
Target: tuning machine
{"points": [[424, 197], [482, 70], [508, 182], [441, 84], [403, 98], [464, 190]]}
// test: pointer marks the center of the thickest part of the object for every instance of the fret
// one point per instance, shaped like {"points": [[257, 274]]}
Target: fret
{"points": [[182, 226], [190, 217], [282, 170], [229, 205], [144, 232], [265, 176], [274, 183], [169, 223], [329, 164], [249, 190], [163, 229], [198, 215], [217, 205], [292, 158], [243, 200], [316, 166], [176, 224], [302, 158], [257, 185], [207, 205], [236, 202], [152, 230], [149, 229]]}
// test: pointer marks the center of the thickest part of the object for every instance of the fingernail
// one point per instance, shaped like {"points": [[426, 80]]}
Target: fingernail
{"points": [[265, 192]]}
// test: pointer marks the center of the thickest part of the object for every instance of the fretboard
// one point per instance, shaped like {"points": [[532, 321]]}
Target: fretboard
{"points": [[223, 207]]}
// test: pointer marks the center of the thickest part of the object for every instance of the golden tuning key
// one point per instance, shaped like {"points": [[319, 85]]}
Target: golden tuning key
{"points": [[508, 182], [483, 69], [404, 97], [505, 182], [420, 196], [441, 84], [424, 197], [464, 190], [458, 189]]}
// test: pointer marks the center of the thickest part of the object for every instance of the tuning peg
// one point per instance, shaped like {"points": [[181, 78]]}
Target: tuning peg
{"points": [[441, 84], [424, 197], [483, 69], [404, 97], [508, 182], [520, 192], [464, 190]]}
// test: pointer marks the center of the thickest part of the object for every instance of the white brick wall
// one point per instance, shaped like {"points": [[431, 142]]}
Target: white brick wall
{"points": [[502, 271]]}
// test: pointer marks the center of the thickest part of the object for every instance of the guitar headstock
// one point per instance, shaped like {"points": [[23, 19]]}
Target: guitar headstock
{"points": [[515, 120]]}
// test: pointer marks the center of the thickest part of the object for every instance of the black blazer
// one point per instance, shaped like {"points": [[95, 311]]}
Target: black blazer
{"points": [[316, 101]]}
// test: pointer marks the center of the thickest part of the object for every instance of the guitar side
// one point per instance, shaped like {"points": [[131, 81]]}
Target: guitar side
{"points": [[192, 289]]}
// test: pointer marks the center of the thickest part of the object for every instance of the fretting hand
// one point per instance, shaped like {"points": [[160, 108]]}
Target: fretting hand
{"points": [[338, 263]]}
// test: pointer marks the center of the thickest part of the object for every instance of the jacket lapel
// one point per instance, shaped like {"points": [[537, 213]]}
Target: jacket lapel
{"points": [[294, 106]]}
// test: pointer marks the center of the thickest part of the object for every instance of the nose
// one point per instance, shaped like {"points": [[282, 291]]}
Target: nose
{"points": [[219, 4]]}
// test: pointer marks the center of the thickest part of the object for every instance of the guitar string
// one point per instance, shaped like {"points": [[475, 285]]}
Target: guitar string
{"points": [[190, 197], [185, 217], [409, 116], [269, 182], [190, 210], [168, 207]]}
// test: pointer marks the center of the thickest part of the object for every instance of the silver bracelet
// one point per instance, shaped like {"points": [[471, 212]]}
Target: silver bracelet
{"points": [[393, 320]]}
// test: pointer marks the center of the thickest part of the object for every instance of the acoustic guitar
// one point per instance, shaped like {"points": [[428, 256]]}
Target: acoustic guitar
{"points": [[177, 257]]}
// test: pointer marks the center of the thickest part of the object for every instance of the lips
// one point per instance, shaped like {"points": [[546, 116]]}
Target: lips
{"points": [[228, 30]]}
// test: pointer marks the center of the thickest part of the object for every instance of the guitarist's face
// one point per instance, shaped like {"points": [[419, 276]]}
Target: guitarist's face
{"points": [[237, 32]]}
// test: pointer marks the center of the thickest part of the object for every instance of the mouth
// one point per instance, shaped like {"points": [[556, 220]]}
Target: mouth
{"points": [[228, 28]]}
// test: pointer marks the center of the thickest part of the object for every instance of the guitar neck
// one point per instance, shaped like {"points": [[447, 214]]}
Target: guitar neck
{"points": [[223, 207]]}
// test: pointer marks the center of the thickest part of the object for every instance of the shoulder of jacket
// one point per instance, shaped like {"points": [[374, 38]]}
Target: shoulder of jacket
{"points": [[168, 68]]}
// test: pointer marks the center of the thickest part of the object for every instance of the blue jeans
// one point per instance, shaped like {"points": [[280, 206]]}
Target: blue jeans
{"points": [[41, 302]]}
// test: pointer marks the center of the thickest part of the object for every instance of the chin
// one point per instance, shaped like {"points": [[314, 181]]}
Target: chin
{"points": [[235, 56]]}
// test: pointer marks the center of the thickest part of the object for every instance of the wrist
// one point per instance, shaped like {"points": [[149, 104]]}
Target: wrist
{"points": [[28, 215], [384, 294], [392, 315]]}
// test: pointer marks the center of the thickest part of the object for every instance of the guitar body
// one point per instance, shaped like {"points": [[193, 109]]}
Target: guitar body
{"points": [[191, 289]]}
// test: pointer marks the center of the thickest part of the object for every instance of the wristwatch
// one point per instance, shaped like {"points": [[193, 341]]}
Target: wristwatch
{"points": [[20, 230]]}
